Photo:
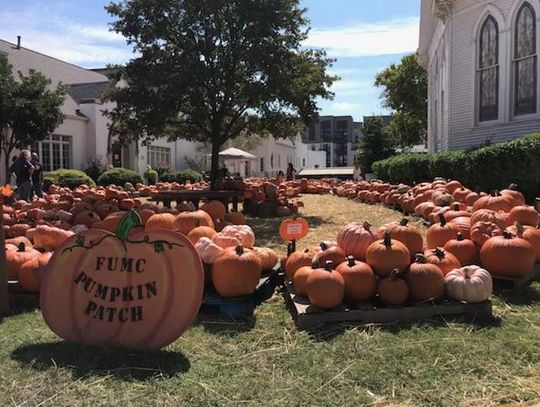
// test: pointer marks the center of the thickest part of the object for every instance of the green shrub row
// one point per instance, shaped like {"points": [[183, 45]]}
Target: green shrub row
{"points": [[119, 176], [67, 178], [485, 169], [181, 176]]}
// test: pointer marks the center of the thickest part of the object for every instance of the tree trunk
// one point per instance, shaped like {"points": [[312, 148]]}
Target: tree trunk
{"points": [[7, 164], [4, 290], [214, 170]]}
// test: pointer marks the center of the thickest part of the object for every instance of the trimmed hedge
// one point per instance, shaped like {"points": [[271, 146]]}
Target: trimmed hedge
{"points": [[486, 169], [119, 177], [181, 176], [67, 178]]}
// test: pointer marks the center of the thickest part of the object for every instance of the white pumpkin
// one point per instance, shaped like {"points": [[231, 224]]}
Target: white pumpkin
{"points": [[226, 240], [470, 284], [208, 250], [242, 232]]}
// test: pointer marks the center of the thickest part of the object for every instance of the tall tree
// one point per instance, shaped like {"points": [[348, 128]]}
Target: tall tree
{"points": [[376, 144], [405, 92], [29, 109], [213, 70]]}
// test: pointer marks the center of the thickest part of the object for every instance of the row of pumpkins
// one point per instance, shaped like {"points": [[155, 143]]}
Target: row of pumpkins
{"points": [[395, 265], [35, 230]]}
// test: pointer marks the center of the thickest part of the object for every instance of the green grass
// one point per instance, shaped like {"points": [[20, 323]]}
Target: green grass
{"points": [[267, 362]]}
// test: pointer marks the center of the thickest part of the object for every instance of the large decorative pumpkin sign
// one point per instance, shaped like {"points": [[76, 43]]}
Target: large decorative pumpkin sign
{"points": [[132, 289]]}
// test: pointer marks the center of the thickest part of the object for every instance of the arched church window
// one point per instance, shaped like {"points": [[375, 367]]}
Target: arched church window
{"points": [[488, 71], [525, 75]]}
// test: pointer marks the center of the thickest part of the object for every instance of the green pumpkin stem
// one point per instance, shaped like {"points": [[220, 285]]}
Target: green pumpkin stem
{"points": [[329, 266], [351, 261], [239, 250], [387, 239], [519, 229], [129, 221]]}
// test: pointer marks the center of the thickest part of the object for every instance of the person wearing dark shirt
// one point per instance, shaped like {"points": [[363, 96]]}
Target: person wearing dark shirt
{"points": [[37, 176], [290, 172], [23, 169]]}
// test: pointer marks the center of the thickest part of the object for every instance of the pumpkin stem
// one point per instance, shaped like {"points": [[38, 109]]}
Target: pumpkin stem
{"points": [[520, 229], [404, 222], [513, 187], [439, 252], [507, 234], [239, 250], [467, 273], [129, 221], [442, 219], [495, 193], [329, 265], [315, 263], [351, 261], [387, 239], [324, 246], [460, 237], [456, 207], [21, 247], [420, 258], [394, 275], [366, 225]]}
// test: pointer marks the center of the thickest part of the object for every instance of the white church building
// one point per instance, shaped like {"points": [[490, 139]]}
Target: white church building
{"points": [[84, 133], [481, 57]]}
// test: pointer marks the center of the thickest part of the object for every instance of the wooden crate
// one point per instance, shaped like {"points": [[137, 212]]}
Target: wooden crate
{"points": [[307, 316], [517, 283]]}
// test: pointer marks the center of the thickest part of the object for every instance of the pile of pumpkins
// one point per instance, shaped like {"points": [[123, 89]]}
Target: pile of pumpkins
{"points": [[267, 199], [35, 230], [394, 265]]}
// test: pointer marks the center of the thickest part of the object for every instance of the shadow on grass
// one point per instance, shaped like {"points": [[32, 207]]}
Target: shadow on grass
{"points": [[86, 361], [328, 332], [267, 229], [216, 325], [526, 296]]}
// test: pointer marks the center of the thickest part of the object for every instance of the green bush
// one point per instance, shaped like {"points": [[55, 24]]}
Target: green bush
{"points": [[94, 168], [181, 176], [487, 168], [67, 178], [119, 176]]}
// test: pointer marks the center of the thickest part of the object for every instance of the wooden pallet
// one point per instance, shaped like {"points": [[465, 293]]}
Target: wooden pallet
{"points": [[517, 283], [307, 316], [239, 307]]}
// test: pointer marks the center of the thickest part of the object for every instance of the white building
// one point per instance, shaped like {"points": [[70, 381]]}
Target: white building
{"points": [[482, 62], [84, 133]]}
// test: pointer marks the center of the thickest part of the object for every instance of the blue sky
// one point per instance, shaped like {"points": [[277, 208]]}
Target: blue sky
{"points": [[364, 36]]}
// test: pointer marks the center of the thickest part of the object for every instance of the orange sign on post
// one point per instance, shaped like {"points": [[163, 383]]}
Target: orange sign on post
{"points": [[294, 229], [139, 290]]}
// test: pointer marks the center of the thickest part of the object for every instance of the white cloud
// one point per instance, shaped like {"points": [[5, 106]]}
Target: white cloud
{"points": [[367, 39]]}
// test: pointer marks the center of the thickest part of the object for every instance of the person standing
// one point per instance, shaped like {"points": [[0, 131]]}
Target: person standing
{"points": [[290, 172], [23, 169], [37, 176]]}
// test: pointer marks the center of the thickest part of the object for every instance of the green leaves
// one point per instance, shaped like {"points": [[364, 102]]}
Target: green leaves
{"points": [[375, 144], [128, 222], [405, 92]]}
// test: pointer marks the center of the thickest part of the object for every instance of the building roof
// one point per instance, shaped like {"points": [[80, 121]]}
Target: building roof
{"points": [[23, 59], [87, 92], [326, 172]]}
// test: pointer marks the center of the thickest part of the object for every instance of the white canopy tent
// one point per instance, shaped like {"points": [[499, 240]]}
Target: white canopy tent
{"points": [[236, 154], [237, 161]]}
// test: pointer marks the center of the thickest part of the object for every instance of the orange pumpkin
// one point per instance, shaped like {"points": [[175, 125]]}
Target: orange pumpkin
{"points": [[463, 249], [442, 259], [514, 195], [225, 241], [114, 291], [407, 234], [297, 260], [482, 231], [160, 221], [531, 235], [526, 215], [360, 281], [269, 257], [388, 254], [355, 238], [30, 273], [300, 278], [440, 233], [237, 271], [236, 218], [87, 218], [425, 280], [215, 209], [185, 222], [393, 290], [330, 253], [495, 202], [201, 231], [508, 256], [110, 223], [15, 259], [50, 238], [325, 287]]}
